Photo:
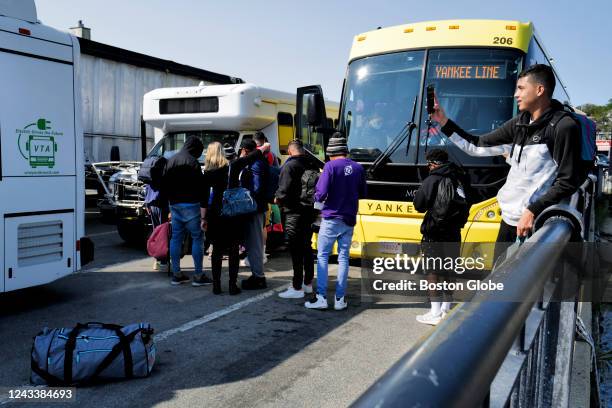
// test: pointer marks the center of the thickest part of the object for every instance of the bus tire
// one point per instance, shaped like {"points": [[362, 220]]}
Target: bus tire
{"points": [[133, 234]]}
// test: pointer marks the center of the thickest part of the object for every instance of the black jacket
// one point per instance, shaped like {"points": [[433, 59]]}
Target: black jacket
{"points": [[545, 166], [425, 198], [290, 183], [182, 179]]}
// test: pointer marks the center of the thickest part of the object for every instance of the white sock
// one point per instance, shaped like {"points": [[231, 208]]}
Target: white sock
{"points": [[435, 308], [446, 307]]}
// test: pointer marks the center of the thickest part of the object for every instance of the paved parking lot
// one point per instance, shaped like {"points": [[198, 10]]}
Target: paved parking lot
{"points": [[254, 349]]}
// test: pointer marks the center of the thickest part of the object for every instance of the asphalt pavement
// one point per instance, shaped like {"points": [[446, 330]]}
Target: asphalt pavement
{"points": [[251, 350]]}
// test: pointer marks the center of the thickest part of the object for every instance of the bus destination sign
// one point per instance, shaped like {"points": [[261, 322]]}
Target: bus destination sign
{"points": [[470, 71]]}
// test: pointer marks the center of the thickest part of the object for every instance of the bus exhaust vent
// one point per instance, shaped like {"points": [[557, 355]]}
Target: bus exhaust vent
{"points": [[40, 242]]}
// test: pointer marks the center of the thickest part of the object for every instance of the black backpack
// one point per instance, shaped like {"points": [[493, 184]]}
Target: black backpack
{"points": [[450, 205], [309, 182], [151, 171]]}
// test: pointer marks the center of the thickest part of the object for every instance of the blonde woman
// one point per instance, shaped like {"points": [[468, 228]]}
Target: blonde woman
{"points": [[224, 233]]}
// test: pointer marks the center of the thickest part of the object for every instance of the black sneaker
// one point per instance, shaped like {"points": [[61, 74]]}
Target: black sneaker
{"points": [[177, 280], [254, 283], [234, 289], [201, 281]]}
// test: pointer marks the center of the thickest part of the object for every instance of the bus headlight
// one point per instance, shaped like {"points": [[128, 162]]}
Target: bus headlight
{"points": [[490, 212]]}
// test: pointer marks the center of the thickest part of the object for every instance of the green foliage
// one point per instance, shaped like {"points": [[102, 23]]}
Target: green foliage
{"points": [[602, 114]]}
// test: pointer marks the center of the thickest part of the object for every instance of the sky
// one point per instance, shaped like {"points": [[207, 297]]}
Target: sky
{"points": [[285, 44]]}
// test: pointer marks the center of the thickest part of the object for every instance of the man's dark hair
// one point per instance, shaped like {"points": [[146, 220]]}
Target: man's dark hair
{"points": [[260, 138], [438, 156], [297, 145], [249, 145], [543, 75]]}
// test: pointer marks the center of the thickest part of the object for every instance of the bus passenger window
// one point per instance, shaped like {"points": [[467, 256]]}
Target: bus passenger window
{"points": [[285, 131]]}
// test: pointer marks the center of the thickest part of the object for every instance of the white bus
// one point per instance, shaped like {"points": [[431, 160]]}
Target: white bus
{"points": [[223, 113], [41, 152]]}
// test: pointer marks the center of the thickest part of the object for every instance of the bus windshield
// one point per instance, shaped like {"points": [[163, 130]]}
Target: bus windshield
{"points": [[475, 87], [172, 142], [378, 99]]}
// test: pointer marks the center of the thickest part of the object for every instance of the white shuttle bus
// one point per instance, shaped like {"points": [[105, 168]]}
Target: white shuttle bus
{"points": [[224, 113], [41, 151]]}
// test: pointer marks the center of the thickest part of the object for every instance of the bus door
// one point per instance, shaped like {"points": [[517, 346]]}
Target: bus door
{"points": [[38, 182], [311, 124]]}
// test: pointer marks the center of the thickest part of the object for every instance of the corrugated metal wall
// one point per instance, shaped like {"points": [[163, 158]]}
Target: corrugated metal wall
{"points": [[111, 95]]}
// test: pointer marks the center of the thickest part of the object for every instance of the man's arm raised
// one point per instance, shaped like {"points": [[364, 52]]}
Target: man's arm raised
{"points": [[495, 143]]}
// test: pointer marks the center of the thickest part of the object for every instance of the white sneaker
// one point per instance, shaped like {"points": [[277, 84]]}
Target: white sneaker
{"points": [[155, 265], [163, 267], [317, 303], [340, 303], [430, 318], [291, 293], [307, 288]]}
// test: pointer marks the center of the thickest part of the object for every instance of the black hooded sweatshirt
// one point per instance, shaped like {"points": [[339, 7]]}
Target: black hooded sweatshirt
{"points": [[425, 198], [290, 182], [182, 181]]}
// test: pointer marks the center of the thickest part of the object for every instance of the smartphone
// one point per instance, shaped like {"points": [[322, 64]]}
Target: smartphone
{"points": [[430, 99]]}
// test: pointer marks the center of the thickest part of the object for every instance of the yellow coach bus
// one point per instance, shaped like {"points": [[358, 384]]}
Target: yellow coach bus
{"points": [[474, 65]]}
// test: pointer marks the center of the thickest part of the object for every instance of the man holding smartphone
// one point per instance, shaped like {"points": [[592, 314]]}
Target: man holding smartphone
{"points": [[544, 163]]}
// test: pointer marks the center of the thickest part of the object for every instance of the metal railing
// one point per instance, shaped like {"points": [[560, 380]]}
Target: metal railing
{"points": [[493, 352]]}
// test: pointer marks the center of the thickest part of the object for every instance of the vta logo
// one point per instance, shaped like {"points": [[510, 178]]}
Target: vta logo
{"points": [[36, 144]]}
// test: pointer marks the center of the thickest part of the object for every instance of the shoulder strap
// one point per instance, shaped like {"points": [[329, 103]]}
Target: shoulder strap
{"points": [[557, 116], [229, 175], [550, 128]]}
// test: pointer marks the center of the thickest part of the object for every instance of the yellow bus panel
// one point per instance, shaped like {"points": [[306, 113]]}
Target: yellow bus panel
{"points": [[443, 33]]}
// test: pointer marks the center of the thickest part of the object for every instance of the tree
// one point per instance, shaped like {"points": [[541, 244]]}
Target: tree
{"points": [[601, 114]]}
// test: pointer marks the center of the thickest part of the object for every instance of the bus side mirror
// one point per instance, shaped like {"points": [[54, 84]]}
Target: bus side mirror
{"points": [[315, 109]]}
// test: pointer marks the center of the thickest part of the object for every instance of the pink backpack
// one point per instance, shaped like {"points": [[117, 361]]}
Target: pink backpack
{"points": [[157, 245]]}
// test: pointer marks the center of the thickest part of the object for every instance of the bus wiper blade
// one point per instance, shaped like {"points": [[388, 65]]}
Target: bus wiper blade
{"points": [[405, 132]]}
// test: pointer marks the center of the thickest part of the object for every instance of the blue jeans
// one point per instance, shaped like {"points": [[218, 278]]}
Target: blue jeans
{"points": [[186, 217], [332, 230]]}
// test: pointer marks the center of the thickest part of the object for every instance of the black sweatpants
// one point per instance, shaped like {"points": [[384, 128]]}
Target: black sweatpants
{"points": [[298, 226], [505, 238]]}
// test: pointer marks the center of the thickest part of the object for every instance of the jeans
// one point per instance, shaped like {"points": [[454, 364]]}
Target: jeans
{"points": [[254, 242], [332, 230], [186, 217]]}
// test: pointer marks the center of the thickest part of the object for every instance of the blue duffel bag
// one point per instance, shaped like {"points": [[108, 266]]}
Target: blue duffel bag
{"points": [[91, 352]]}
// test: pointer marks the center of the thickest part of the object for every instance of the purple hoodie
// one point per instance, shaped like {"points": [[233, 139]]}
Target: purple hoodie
{"points": [[339, 188]]}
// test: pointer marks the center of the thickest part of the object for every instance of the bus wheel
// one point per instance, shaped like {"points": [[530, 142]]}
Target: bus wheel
{"points": [[133, 234]]}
